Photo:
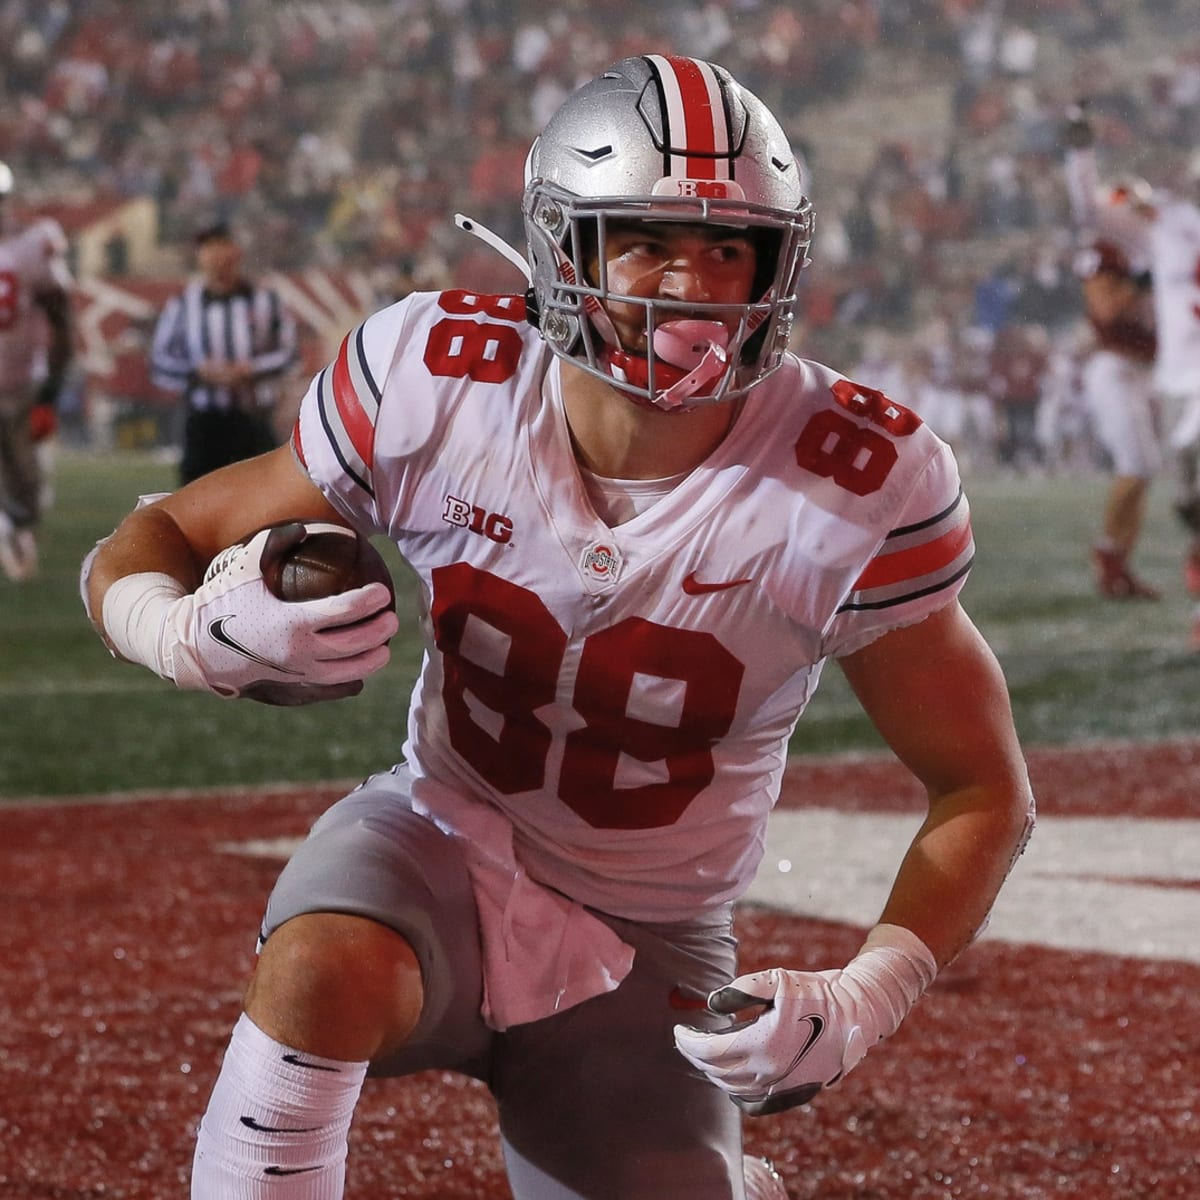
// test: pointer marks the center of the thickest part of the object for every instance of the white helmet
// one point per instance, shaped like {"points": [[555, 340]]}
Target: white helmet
{"points": [[664, 139], [6, 179]]}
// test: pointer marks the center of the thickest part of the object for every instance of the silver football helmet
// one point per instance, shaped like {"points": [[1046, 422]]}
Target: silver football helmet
{"points": [[662, 138]]}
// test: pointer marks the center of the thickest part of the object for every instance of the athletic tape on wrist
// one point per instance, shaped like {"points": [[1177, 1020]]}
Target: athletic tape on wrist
{"points": [[893, 969], [133, 613], [897, 937]]}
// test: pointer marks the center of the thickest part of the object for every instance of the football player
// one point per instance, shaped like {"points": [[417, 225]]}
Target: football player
{"points": [[642, 527], [1164, 225], [34, 283], [1113, 265]]}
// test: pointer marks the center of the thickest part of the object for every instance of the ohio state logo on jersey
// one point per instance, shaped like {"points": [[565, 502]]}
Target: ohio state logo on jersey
{"points": [[601, 560]]}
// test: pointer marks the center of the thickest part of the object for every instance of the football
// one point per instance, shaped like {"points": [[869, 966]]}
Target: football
{"points": [[310, 560]]}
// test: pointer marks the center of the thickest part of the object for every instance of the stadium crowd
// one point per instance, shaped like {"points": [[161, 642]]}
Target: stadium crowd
{"points": [[345, 132]]}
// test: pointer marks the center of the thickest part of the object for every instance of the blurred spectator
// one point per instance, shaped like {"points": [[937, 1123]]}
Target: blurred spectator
{"points": [[996, 297], [1017, 366], [1064, 428], [348, 133]]}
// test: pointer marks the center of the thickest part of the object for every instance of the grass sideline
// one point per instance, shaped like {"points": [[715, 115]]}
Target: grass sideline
{"points": [[75, 722]]}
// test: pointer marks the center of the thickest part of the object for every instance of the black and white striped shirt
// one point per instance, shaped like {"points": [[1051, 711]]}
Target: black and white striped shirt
{"points": [[249, 324]]}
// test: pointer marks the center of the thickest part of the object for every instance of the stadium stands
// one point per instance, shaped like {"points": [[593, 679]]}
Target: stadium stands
{"points": [[342, 136]]}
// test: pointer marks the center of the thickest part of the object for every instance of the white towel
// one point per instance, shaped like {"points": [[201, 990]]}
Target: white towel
{"points": [[542, 951]]}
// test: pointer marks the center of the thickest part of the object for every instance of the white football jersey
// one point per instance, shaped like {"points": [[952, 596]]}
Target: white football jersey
{"points": [[1176, 244], [31, 261], [625, 696]]}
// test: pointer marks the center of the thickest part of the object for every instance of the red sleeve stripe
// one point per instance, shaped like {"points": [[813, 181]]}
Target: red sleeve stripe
{"points": [[340, 441], [697, 133], [347, 406], [298, 446], [889, 568], [917, 560], [355, 404]]}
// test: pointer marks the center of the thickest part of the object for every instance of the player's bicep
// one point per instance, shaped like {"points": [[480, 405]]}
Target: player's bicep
{"points": [[936, 694], [220, 508]]}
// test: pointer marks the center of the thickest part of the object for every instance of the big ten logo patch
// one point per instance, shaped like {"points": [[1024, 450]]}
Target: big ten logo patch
{"points": [[494, 526], [708, 189]]}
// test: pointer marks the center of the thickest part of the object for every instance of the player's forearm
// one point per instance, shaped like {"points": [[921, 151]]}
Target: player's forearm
{"points": [[147, 541], [954, 869]]}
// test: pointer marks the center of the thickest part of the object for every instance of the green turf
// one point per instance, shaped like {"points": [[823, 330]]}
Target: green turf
{"points": [[72, 720]]}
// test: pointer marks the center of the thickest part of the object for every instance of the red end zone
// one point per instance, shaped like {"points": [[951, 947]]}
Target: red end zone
{"points": [[1026, 1072]]}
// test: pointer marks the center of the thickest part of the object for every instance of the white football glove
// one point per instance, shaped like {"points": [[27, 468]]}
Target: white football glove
{"points": [[232, 637], [811, 1027]]}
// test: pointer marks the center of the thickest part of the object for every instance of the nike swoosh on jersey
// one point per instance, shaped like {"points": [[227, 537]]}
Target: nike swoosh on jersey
{"points": [[693, 587], [219, 634], [288, 1170]]}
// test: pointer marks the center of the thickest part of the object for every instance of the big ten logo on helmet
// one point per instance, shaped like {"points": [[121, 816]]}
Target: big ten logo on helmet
{"points": [[494, 526], [708, 189]]}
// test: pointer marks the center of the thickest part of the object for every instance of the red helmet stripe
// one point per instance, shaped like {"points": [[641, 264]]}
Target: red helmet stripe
{"points": [[697, 126]]}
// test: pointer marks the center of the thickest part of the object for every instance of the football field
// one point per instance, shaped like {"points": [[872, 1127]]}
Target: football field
{"points": [[141, 829], [75, 722]]}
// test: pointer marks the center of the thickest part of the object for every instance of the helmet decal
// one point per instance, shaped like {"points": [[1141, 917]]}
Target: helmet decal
{"points": [[698, 142]]}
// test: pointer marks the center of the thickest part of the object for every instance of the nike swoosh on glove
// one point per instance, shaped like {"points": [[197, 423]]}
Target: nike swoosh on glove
{"points": [[233, 637], [813, 1027]]}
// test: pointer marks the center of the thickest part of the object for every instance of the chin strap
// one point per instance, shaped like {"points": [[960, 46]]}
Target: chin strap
{"points": [[495, 241]]}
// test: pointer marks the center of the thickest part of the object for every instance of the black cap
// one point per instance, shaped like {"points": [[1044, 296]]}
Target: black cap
{"points": [[212, 232]]}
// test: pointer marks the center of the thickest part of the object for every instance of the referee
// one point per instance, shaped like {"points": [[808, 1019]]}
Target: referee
{"points": [[223, 344]]}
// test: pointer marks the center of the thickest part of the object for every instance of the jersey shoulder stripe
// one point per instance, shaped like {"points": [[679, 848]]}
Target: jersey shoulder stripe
{"points": [[917, 560], [356, 395], [346, 396], [341, 441]]}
